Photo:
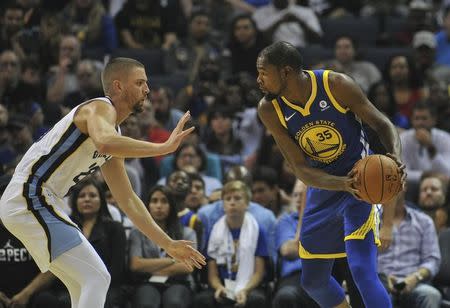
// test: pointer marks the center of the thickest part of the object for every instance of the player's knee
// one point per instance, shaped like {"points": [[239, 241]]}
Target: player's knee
{"points": [[359, 271], [310, 283]]}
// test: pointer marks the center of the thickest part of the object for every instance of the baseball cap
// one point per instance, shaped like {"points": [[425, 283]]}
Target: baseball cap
{"points": [[424, 38]]}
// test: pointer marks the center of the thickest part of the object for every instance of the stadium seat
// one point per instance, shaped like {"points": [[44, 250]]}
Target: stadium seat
{"points": [[380, 55], [153, 59], [363, 30], [315, 53]]}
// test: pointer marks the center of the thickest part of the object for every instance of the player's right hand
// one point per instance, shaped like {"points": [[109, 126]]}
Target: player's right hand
{"points": [[351, 183], [402, 169], [183, 252]]}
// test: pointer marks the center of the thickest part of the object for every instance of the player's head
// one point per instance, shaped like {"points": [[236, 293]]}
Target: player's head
{"points": [[275, 64], [125, 79]]}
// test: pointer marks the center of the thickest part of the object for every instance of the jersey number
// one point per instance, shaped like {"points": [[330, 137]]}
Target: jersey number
{"points": [[324, 135], [92, 169]]}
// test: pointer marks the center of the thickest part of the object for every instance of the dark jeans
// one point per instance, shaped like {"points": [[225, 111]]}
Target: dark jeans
{"points": [[290, 294], [205, 299], [155, 296]]}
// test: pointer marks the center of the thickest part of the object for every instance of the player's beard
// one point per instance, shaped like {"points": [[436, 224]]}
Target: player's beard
{"points": [[138, 107]]}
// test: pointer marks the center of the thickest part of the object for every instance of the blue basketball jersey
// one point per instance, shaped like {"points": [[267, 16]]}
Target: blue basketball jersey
{"points": [[331, 136]]}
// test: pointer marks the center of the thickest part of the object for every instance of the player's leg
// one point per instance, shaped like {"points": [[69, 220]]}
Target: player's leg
{"points": [[362, 254], [317, 281], [84, 274]]}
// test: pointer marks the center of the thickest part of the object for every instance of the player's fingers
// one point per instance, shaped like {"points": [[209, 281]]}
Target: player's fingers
{"points": [[186, 132]]}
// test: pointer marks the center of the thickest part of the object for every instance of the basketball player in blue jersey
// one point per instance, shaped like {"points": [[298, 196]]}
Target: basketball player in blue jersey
{"points": [[86, 139], [315, 118]]}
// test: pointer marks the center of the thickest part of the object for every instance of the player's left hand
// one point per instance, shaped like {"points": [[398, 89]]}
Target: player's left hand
{"points": [[183, 252], [402, 168], [178, 134], [385, 237]]}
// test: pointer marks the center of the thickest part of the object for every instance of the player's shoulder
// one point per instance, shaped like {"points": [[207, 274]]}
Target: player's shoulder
{"points": [[97, 106], [265, 107], [336, 80]]}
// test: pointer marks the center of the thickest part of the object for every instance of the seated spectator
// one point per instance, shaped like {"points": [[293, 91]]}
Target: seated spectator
{"points": [[289, 293], [190, 155], [425, 148], [90, 213], [220, 138], [364, 73], [156, 28], [86, 22], [161, 281], [380, 96], [283, 20], [404, 84], [162, 99], [244, 45], [209, 214], [237, 254], [412, 259], [63, 79], [265, 190], [196, 198], [432, 198]]}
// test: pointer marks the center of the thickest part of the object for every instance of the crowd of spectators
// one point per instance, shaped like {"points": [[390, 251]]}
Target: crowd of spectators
{"points": [[227, 188]]}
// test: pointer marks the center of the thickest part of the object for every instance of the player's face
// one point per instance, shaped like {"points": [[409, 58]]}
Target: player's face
{"points": [[269, 79], [159, 206], [235, 204], [431, 193], [137, 90], [88, 201]]}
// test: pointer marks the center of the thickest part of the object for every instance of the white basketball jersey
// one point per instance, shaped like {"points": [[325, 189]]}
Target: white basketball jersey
{"points": [[62, 157]]}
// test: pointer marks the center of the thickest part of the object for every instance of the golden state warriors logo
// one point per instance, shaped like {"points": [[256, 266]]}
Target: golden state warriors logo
{"points": [[321, 141]]}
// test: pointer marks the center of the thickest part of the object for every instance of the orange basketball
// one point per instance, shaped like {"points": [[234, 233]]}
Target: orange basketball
{"points": [[379, 178]]}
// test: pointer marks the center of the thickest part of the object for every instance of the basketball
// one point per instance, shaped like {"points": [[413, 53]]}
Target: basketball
{"points": [[379, 178]]}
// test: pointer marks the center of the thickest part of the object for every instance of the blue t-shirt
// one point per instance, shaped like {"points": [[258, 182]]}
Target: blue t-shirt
{"points": [[261, 251], [285, 230]]}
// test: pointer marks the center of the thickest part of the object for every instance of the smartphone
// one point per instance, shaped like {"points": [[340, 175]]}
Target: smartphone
{"points": [[399, 286]]}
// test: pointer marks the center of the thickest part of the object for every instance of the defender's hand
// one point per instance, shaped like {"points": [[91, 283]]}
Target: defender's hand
{"points": [[183, 252]]}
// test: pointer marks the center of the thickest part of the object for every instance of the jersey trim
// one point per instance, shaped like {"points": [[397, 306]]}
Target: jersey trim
{"points": [[305, 111], [361, 232], [330, 95], [304, 254], [279, 112]]}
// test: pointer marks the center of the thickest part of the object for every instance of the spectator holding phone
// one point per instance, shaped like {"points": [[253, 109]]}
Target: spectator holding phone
{"points": [[412, 259]]}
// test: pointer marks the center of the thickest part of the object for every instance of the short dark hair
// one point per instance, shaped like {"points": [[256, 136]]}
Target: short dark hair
{"points": [[117, 66], [421, 105], [282, 54], [265, 174]]}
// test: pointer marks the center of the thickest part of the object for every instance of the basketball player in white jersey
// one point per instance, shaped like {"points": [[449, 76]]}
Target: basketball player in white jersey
{"points": [[84, 140]]}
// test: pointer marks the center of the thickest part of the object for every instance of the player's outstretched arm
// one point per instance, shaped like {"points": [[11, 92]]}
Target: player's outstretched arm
{"points": [[310, 176], [120, 186], [99, 119]]}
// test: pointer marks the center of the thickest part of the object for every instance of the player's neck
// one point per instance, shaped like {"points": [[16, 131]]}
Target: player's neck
{"points": [[298, 90]]}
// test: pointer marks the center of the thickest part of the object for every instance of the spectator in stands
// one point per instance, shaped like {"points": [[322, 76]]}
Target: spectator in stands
{"points": [[442, 38], [196, 198], [51, 30], [404, 84], [191, 155], [162, 100], [289, 293], [432, 198], [440, 99], [86, 21], [148, 24], [244, 45], [12, 22], [364, 73], [63, 79], [425, 148], [380, 96], [186, 56], [209, 214], [219, 137], [265, 190], [148, 261], [237, 254], [412, 259], [283, 20], [89, 81], [90, 213], [424, 44]]}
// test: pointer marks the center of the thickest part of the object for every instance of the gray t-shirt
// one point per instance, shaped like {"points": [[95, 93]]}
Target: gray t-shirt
{"points": [[141, 246]]}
